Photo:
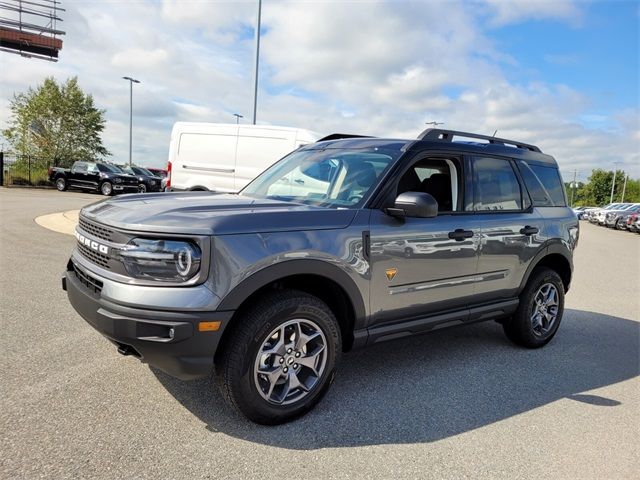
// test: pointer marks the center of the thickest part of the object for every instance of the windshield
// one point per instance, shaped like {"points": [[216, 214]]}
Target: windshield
{"points": [[330, 178], [126, 169], [142, 171], [103, 167]]}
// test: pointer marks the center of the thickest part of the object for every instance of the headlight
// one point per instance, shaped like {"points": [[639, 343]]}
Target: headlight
{"points": [[162, 260]]}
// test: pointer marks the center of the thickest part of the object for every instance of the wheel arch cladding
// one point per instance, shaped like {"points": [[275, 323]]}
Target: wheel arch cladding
{"points": [[555, 259], [327, 282]]}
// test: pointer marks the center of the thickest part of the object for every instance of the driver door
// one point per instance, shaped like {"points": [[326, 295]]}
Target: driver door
{"points": [[417, 268]]}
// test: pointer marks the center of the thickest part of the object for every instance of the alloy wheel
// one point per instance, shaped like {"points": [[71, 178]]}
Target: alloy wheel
{"points": [[544, 311], [290, 362]]}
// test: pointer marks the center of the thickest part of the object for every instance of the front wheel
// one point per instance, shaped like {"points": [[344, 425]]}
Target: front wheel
{"points": [[540, 310], [142, 188], [280, 357], [106, 188], [61, 184]]}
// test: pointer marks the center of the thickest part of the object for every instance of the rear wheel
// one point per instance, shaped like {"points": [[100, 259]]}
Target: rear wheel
{"points": [[61, 184], [280, 357], [106, 188], [540, 310]]}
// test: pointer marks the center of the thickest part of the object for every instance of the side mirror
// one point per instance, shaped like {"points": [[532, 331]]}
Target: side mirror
{"points": [[414, 204]]}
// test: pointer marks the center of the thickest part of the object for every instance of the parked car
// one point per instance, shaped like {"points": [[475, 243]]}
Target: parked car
{"points": [[93, 176], [597, 216], [272, 288], [629, 221], [582, 212], [147, 181], [158, 172], [613, 218], [225, 157]]}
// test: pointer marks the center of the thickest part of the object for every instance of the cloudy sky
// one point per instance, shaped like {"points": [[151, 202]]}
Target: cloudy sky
{"points": [[561, 74]]}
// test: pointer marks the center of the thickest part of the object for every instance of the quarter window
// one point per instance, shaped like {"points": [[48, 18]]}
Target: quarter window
{"points": [[544, 185], [496, 185]]}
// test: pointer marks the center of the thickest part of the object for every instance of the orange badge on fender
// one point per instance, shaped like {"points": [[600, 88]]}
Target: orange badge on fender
{"points": [[391, 273]]}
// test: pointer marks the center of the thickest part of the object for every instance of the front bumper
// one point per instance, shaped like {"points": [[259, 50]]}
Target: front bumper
{"points": [[168, 340]]}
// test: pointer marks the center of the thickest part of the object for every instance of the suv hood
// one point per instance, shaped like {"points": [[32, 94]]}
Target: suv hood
{"points": [[205, 213]]}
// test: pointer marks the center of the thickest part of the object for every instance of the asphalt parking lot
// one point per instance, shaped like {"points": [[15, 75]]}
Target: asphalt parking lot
{"points": [[456, 404]]}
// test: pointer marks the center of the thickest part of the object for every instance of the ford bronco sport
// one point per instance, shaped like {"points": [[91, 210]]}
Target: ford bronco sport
{"points": [[341, 244]]}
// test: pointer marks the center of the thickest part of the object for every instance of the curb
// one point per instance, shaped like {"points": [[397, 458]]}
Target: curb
{"points": [[61, 222]]}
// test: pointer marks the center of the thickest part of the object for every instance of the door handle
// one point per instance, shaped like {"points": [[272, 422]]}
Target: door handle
{"points": [[459, 234], [529, 230]]}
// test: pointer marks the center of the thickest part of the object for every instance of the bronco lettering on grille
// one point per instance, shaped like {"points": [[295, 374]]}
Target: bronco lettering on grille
{"points": [[92, 244]]}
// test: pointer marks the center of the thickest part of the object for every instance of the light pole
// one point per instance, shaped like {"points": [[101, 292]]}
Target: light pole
{"points": [[434, 123], [255, 73], [131, 82], [613, 185], [238, 117], [624, 187]]}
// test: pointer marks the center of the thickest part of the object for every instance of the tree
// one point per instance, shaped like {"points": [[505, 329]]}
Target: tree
{"points": [[56, 123]]}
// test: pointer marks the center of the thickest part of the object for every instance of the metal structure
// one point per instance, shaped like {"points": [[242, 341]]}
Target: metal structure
{"points": [[29, 28], [255, 73], [131, 82]]}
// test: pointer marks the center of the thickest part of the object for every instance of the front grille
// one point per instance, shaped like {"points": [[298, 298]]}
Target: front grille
{"points": [[88, 281], [96, 230], [95, 257]]}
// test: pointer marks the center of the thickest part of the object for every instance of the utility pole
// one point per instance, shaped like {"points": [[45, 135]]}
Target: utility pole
{"points": [[131, 82], [573, 186], [255, 73], [624, 188], [434, 123], [238, 117]]}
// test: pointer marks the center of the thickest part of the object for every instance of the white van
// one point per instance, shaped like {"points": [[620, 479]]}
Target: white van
{"points": [[225, 157]]}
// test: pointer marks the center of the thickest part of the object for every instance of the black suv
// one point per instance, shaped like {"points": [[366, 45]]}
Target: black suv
{"points": [[147, 181], [343, 243]]}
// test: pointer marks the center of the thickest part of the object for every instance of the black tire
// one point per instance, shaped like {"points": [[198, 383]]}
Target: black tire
{"points": [[142, 188], [237, 359], [61, 184], [519, 328], [408, 253], [106, 189]]}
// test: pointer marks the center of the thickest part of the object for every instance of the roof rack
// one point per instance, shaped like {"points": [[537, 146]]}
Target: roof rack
{"points": [[439, 135], [338, 136]]}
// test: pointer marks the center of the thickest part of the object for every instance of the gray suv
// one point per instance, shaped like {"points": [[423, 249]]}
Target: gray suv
{"points": [[342, 244]]}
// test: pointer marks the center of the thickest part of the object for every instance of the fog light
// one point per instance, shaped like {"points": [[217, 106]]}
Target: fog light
{"points": [[172, 333]]}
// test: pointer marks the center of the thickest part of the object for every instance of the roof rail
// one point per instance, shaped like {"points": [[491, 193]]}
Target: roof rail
{"points": [[338, 136], [439, 135]]}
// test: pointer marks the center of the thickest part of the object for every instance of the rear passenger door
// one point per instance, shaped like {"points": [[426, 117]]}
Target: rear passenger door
{"points": [[510, 232], [78, 175]]}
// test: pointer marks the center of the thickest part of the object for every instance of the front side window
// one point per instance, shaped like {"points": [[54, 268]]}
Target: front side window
{"points": [[496, 186], [331, 177], [435, 176]]}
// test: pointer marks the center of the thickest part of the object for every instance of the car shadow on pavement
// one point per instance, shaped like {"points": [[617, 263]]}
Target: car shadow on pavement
{"points": [[430, 387]]}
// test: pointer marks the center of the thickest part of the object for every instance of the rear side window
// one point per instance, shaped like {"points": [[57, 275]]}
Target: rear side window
{"points": [[544, 185], [496, 185]]}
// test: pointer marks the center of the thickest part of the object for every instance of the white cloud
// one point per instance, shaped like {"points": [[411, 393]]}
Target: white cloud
{"points": [[378, 68], [505, 12]]}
